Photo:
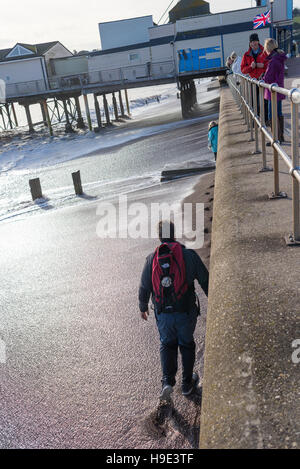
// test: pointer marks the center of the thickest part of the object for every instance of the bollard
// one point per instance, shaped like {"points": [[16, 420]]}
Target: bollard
{"points": [[77, 183], [35, 188]]}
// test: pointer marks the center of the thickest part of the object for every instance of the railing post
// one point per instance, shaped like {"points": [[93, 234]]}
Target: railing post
{"points": [[254, 90], [246, 104], [263, 137], [250, 94], [275, 138], [243, 100], [295, 160], [276, 194]]}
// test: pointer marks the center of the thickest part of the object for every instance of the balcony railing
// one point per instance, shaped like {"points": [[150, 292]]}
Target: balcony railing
{"points": [[123, 75]]}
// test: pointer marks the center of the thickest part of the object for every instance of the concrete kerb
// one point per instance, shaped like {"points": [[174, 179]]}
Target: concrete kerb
{"points": [[250, 382]]}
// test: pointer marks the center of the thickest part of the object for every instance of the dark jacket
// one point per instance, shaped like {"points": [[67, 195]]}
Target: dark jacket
{"points": [[275, 72], [195, 270], [247, 60]]}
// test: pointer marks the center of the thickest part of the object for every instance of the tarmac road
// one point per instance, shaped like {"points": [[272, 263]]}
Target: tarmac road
{"points": [[82, 368]]}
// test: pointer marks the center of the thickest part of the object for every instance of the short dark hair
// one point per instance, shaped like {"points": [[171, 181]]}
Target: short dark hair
{"points": [[166, 230]]}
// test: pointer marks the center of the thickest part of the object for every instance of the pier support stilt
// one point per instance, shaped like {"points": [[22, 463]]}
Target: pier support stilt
{"points": [[28, 116], [106, 110], [14, 114], [121, 104], [80, 121], [114, 101], [43, 114], [87, 111], [68, 127], [9, 116], [98, 113], [47, 117], [127, 102]]}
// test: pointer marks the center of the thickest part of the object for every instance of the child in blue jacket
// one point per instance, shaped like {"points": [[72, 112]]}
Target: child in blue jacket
{"points": [[213, 137]]}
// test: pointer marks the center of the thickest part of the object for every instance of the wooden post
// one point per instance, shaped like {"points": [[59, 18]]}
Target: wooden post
{"points": [[115, 106], [46, 113], [29, 120], [68, 123], [57, 109], [127, 102], [2, 115], [87, 111], [35, 188], [121, 104], [106, 110], [14, 113], [8, 116], [77, 183], [43, 114], [80, 122], [97, 109]]}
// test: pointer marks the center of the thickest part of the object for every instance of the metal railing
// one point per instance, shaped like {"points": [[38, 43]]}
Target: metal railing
{"points": [[123, 75], [25, 88], [133, 73], [249, 95]]}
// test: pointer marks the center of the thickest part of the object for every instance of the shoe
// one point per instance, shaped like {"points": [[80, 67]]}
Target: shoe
{"points": [[188, 388], [166, 392]]}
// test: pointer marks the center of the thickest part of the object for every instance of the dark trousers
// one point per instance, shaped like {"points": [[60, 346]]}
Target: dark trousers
{"points": [[177, 330], [258, 103], [279, 109]]}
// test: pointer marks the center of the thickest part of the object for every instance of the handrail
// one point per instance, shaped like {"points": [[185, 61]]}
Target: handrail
{"points": [[244, 89]]}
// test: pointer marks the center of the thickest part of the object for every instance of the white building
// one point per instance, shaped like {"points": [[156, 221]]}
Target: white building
{"points": [[25, 67]]}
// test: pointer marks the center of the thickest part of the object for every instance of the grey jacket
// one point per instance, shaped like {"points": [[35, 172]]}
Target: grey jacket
{"points": [[195, 270]]}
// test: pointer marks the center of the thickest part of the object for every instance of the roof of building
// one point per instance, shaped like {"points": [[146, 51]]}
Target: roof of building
{"points": [[186, 8], [37, 50]]}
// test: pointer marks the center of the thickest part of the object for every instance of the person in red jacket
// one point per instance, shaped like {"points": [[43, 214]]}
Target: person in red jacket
{"points": [[254, 64], [254, 60]]}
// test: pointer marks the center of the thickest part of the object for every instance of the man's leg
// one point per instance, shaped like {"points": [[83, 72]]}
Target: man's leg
{"points": [[186, 323], [168, 347]]}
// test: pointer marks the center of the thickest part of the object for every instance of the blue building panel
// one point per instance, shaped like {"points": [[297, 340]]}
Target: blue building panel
{"points": [[289, 9], [198, 59]]}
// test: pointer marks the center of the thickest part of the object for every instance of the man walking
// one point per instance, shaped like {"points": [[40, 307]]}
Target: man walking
{"points": [[168, 276]]}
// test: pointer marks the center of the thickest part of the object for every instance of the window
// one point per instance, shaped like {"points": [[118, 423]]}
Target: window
{"points": [[19, 50], [133, 57]]}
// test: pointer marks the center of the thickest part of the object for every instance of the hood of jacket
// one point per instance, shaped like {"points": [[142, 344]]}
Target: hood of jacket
{"points": [[278, 57]]}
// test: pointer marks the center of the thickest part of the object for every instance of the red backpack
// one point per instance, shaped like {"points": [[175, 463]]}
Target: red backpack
{"points": [[168, 277]]}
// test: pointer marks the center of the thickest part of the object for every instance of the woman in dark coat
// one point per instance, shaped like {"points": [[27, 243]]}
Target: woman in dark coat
{"points": [[275, 74]]}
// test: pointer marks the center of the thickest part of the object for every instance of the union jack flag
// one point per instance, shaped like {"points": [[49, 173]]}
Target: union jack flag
{"points": [[261, 20]]}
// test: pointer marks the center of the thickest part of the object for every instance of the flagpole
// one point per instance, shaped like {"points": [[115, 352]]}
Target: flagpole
{"points": [[272, 29]]}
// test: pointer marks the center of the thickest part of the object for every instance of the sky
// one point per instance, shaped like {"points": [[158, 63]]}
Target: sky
{"points": [[75, 22]]}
